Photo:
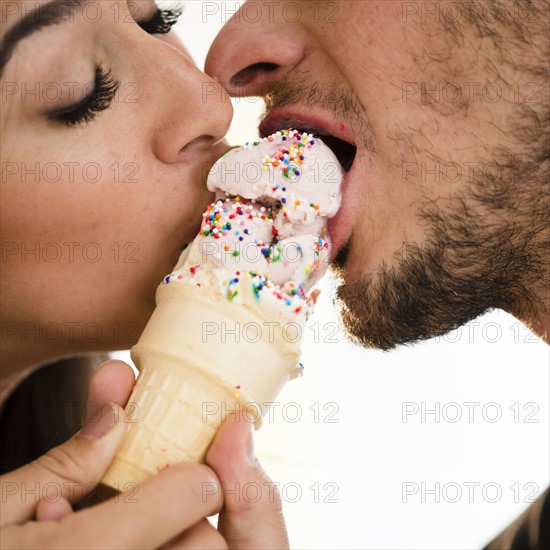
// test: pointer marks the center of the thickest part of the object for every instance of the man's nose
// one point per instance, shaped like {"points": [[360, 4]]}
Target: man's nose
{"points": [[250, 54]]}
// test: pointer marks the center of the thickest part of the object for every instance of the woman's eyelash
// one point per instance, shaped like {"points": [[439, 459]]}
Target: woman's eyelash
{"points": [[162, 21], [99, 99], [105, 87]]}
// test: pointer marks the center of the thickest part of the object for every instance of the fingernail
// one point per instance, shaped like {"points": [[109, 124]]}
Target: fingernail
{"points": [[101, 423]]}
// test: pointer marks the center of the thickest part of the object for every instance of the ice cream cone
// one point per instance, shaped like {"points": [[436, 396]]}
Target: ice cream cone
{"points": [[227, 330], [200, 358]]}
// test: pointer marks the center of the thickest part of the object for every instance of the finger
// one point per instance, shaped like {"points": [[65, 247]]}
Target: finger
{"points": [[53, 510], [70, 470], [200, 537], [247, 520], [154, 512], [112, 382]]}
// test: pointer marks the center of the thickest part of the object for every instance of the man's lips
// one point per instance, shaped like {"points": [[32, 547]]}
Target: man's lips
{"points": [[331, 131], [340, 226], [284, 117]]}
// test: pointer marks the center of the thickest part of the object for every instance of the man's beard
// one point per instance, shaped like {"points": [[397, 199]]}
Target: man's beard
{"points": [[465, 267], [485, 247]]}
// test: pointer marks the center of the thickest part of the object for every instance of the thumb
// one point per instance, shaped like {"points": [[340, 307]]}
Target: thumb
{"points": [[252, 514], [68, 471]]}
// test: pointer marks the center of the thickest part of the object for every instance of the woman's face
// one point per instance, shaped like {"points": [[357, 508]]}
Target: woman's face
{"points": [[101, 189]]}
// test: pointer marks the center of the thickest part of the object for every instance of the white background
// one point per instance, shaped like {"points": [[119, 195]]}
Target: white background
{"points": [[353, 450]]}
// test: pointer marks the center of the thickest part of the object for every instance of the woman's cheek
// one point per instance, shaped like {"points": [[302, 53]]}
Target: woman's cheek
{"points": [[76, 253]]}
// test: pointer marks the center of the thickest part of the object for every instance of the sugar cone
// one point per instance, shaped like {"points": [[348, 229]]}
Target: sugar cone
{"points": [[197, 364]]}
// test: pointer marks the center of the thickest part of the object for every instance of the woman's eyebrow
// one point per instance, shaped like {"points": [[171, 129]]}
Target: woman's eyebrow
{"points": [[51, 13]]}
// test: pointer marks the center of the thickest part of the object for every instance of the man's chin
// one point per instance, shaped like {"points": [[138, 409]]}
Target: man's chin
{"points": [[405, 304], [356, 314]]}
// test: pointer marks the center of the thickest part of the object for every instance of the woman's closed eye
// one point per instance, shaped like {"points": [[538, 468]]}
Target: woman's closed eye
{"points": [[97, 100], [105, 86]]}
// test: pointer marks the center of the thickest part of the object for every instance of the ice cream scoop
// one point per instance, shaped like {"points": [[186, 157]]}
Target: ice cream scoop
{"points": [[273, 199]]}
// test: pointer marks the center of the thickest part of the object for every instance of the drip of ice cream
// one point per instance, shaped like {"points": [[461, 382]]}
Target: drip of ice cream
{"points": [[263, 243]]}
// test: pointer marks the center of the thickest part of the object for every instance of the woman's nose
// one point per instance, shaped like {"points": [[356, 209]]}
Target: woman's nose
{"points": [[192, 111], [251, 53]]}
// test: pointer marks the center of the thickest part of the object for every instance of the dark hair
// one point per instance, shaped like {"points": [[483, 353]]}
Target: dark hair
{"points": [[44, 410]]}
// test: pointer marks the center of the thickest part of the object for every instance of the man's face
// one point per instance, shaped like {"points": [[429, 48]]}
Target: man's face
{"points": [[438, 110]]}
